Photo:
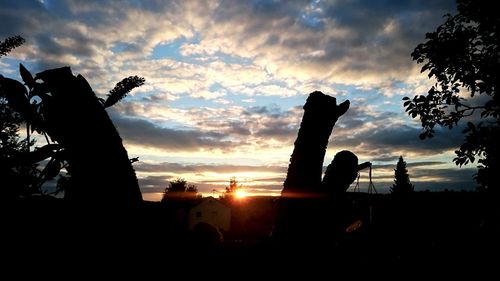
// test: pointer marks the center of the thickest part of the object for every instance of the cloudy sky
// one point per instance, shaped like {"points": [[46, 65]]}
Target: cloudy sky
{"points": [[226, 81]]}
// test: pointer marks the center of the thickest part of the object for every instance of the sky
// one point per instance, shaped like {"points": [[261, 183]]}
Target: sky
{"points": [[226, 82]]}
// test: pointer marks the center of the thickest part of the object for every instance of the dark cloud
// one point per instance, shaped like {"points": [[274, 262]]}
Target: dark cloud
{"points": [[49, 37], [424, 164], [385, 158], [377, 35], [382, 33], [275, 179], [198, 168], [263, 122], [60, 33], [373, 36], [229, 127], [280, 130], [385, 187], [409, 165], [273, 122], [406, 137], [18, 17], [273, 111], [446, 178], [358, 116], [145, 133], [153, 183], [250, 12], [402, 137], [449, 174], [238, 128]]}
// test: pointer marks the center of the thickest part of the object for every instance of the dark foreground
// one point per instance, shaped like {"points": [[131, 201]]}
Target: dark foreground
{"points": [[426, 232]]}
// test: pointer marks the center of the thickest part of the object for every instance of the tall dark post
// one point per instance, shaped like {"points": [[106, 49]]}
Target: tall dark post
{"points": [[321, 112], [298, 225]]}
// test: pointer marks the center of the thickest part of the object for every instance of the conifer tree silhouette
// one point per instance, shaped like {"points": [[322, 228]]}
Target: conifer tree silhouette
{"points": [[402, 184]]}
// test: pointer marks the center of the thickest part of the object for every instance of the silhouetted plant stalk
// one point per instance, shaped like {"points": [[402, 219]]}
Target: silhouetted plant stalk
{"points": [[9, 44], [122, 88]]}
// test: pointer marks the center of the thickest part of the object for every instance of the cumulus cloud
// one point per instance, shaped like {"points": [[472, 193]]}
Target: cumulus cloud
{"points": [[341, 41]]}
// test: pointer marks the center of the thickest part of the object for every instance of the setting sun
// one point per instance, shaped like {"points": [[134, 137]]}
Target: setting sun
{"points": [[240, 194]]}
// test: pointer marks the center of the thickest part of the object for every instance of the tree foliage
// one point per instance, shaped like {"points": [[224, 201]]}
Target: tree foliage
{"points": [[402, 184], [18, 179], [180, 189], [233, 186], [231, 190], [463, 56]]}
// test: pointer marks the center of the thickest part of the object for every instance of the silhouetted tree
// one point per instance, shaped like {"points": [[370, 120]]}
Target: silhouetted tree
{"points": [[192, 189], [463, 54], [402, 184], [178, 185], [180, 189], [233, 186], [18, 179], [231, 189]]}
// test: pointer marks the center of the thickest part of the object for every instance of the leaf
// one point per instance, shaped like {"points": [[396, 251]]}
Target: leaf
{"points": [[16, 96], [27, 77], [52, 169], [37, 155]]}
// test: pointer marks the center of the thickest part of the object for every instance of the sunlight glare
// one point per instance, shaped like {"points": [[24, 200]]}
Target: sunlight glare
{"points": [[240, 194]]}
